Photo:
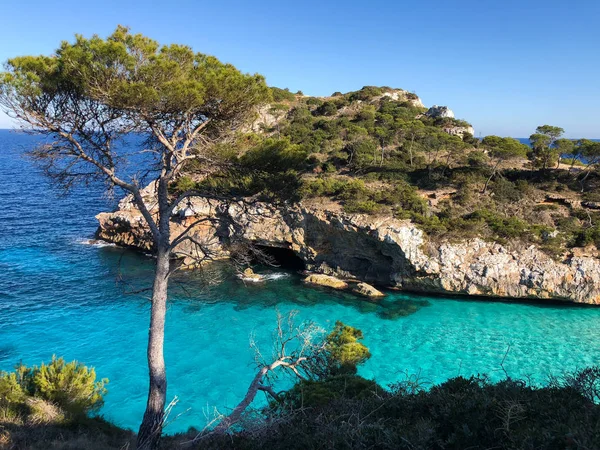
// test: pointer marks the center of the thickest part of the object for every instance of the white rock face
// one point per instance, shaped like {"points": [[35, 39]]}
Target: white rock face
{"points": [[379, 250], [393, 95], [439, 111], [460, 131], [400, 94]]}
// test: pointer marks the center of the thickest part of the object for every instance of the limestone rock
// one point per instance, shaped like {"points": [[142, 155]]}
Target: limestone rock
{"points": [[401, 94], [249, 275], [459, 131], [379, 250], [367, 290], [439, 111], [326, 280]]}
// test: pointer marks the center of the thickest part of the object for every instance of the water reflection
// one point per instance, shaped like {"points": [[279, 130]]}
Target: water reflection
{"points": [[218, 282]]}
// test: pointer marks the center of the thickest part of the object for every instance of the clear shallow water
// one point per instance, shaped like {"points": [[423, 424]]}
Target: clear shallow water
{"points": [[59, 295]]}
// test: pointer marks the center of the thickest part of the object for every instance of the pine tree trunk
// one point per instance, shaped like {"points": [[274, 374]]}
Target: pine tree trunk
{"points": [[573, 160], [491, 176], [410, 150], [151, 428]]}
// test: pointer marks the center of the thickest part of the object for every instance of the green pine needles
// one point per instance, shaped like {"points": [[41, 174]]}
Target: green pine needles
{"points": [[71, 386], [345, 350]]}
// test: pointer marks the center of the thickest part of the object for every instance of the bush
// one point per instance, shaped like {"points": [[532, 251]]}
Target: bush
{"points": [[361, 207], [477, 159], [314, 101], [11, 390], [587, 236], [184, 183], [365, 94], [345, 352], [406, 196], [280, 95], [320, 187], [505, 191], [274, 155], [572, 161], [70, 385], [328, 167], [310, 393], [505, 227], [326, 109]]}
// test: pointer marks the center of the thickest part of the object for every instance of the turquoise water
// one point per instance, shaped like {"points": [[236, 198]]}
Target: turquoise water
{"points": [[58, 294]]}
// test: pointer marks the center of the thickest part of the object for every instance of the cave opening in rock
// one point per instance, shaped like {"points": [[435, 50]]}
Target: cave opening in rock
{"points": [[282, 257]]}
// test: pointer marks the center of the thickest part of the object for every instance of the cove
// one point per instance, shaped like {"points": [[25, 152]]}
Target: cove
{"points": [[60, 295]]}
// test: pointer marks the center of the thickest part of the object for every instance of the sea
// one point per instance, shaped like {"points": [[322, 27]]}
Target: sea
{"points": [[64, 294]]}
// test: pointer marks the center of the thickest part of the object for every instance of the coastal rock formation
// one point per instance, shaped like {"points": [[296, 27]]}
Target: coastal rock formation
{"points": [[440, 111], [380, 250], [249, 275], [401, 94], [459, 131], [326, 280], [367, 290]]}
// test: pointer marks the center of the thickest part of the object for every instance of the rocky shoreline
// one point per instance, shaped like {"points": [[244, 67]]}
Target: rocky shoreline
{"points": [[382, 251]]}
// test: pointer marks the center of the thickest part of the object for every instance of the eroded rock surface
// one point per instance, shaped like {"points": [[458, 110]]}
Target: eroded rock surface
{"points": [[380, 250], [326, 280], [439, 111], [367, 290]]}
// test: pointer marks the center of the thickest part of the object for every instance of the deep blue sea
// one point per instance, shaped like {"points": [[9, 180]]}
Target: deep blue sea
{"points": [[60, 295]]}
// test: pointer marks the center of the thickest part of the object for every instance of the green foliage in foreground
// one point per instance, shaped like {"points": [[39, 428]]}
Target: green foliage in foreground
{"points": [[346, 411], [338, 410], [69, 386], [349, 412]]}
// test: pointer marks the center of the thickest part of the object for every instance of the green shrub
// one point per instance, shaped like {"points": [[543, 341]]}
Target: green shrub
{"points": [[319, 187], [432, 225], [314, 101], [587, 236], [353, 190], [48, 392], [280, 95], [184, 183], [328, 167], [310, 393], [367, 115], [505, 191], [345, 352], [365, 94], [274, 155], [572, 161], [477, 159], [361, 152], [70, 385], [361, 207], [407, 197], [505, 227], [326, 109], [11, 390]]}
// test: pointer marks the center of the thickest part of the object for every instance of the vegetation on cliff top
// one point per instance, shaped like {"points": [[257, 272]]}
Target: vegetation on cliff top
{"points": [[374, 151]]}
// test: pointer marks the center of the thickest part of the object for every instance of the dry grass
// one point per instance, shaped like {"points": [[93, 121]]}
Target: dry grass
{"points": [[45, 428]]}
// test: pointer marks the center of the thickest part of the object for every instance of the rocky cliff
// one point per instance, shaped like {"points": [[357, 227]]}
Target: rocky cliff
{"points": [[379, 250]]}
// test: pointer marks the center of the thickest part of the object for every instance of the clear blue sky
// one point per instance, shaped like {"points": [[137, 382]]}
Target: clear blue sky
{"points": [[506, 66]]}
